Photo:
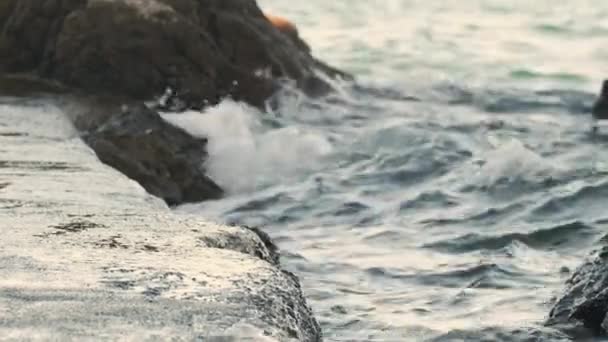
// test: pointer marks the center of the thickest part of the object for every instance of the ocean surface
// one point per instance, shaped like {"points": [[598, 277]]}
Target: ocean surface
{"points": [[448, 195]]}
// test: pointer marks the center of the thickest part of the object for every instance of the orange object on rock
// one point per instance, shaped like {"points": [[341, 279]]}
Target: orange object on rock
{"points": [[282, 24]]}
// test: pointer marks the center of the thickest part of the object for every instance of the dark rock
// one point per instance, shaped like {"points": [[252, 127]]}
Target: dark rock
{"points": [[202, 49], [164, 159], [247, 240], [194, 51], [22, 85], [600, 107], [6, 8], [273, 250], [582, 310]]}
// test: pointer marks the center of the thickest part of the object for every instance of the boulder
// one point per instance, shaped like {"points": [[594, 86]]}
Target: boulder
{"points": [[6, 8], [203, 50], [582, 310], [111, 53], [135, 140]]}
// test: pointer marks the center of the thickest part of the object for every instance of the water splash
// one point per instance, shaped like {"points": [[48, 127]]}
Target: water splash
{"points": [[246, 153]]}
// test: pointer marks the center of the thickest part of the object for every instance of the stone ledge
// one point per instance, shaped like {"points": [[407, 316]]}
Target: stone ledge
{"points": [[88, 253]]}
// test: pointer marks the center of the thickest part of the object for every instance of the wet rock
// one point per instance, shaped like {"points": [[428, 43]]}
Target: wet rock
{"points": [[24, 85], [582, 309], [204, 50], [194, 52], [251, 241], [164, 159], [6, 8], [503, 334], [600, 107]]}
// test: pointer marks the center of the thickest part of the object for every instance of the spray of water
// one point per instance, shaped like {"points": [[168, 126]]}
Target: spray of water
{"points": [[245, 154]]}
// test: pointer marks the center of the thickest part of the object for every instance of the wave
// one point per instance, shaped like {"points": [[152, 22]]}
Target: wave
{"points": [[516, 100], [585, 197], [246, 155], [485, 275], [569, 235], [504, 334]]}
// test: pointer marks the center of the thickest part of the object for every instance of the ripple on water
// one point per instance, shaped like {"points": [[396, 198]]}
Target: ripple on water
{"points": [[431, 199], [456, 184], [531, 74], [568, 235], [502, 334], [484, 275], [263, 203], [487, 216], [586, 198], [494, 100]]}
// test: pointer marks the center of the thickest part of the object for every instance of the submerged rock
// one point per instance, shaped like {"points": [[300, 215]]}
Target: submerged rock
{"points": [[204, 50], [582, 311]]}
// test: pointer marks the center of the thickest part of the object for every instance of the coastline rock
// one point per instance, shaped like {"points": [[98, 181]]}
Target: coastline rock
{"points": [[92, 254], [289, 29], [192, 52], [600, 107], [6, 8], [135, 140], [203, 50], [582, 310]]}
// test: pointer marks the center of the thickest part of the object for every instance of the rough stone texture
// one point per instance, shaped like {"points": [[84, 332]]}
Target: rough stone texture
{"points": [[165, 160], [87, 254], [29, 86], [6, 8], [600, 107], [582, 309], [202, 49]]}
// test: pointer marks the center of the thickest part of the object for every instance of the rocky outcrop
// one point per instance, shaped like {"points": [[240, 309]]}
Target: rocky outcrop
{"points": [[165, 160], [88, 254], [582, 311], [190, 53], [6, 8], [204, 50]]}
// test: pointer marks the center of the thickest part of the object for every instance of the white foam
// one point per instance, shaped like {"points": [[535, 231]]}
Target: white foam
{"points": [[513, 161], [244, 155], [247, 332]]}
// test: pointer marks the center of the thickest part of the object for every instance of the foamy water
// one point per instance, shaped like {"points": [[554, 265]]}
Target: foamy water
{"points": [[454, 217], [245, 155]]}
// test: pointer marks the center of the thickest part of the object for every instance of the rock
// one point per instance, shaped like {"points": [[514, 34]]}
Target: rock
{"points": [[6, 8], [582, 309], [135, 140], [204, 50], [25, 85], [600, 107], [92, 254], [195, 52], [288, 28]]}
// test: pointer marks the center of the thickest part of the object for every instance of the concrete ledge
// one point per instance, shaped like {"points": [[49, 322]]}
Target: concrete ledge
{"points": [[86, 253]]}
